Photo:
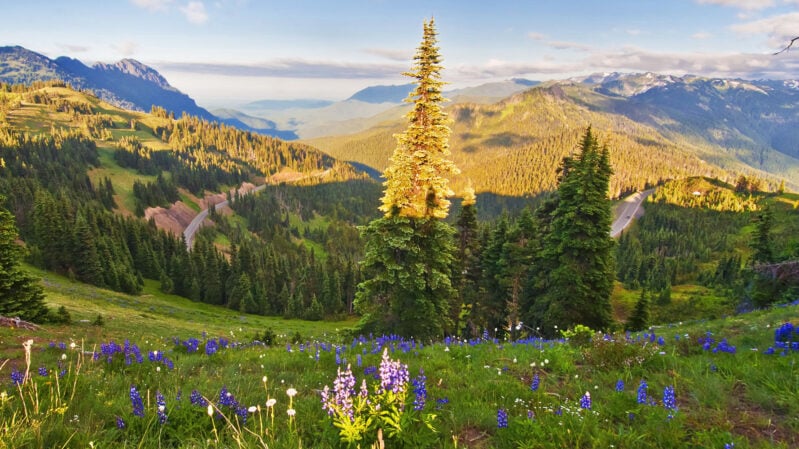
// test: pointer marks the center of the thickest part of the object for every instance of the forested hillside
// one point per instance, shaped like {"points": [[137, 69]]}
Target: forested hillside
{"points": [[74, 171], [514, 147], [657, 127]]}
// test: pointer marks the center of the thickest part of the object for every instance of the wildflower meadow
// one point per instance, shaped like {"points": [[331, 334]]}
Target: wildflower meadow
{"points": [[732, 382]]}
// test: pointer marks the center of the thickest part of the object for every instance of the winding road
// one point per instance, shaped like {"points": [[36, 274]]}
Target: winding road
{"points": [[627, 210], [195, 224]]}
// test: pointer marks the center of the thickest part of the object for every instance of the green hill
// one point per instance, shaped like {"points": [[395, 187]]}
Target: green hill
{"points": [[77, 172]]}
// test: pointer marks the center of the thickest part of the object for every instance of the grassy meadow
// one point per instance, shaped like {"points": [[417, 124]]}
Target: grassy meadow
{"points": [[146, 376]]}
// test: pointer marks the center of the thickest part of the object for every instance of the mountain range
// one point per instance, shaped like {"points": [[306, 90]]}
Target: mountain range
{"points": [[665, 126], [738, 126], [127, 84]]}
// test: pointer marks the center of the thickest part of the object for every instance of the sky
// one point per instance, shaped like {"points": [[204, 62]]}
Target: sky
{"points": [[230, 52]]}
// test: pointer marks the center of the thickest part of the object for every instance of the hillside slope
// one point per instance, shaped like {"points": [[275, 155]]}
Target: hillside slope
{"points": [[513, 147]]}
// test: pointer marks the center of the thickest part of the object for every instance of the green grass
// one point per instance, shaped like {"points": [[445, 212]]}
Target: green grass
{"points": [[748, 397]]}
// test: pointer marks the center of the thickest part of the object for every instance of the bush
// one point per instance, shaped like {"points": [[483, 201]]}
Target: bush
{"points": [[579, 335], [612, 353]]}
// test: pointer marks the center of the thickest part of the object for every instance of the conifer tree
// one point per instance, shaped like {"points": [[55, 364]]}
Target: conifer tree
{"points": [[417, 183], [409, 251], [20, 295], [762, 245], [466, 268], [577, 256], [639, 320]]}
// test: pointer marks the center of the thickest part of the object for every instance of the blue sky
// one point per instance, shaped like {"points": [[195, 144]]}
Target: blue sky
{"points": [[227, 52]]}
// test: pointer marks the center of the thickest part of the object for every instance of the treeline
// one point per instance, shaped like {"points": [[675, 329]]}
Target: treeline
{"points": [[310, 273], [67, 222], [693, 232], [194, 170], [218, 144], [514, 148]]}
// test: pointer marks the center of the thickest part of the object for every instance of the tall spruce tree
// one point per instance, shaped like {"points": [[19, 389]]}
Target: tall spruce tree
{"points": [[409, 251], [20, 295], [577, 267], [466, 271]]}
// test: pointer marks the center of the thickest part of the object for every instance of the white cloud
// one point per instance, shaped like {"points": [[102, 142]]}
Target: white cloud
{"points": [[633, 32], [152, 5], [701, 35], [195, 12], [390, 54], [127, 48], [74, 48], [292, 68], [632, 59], [779, 29], [565, 45], [749, 5], [536, 36]]}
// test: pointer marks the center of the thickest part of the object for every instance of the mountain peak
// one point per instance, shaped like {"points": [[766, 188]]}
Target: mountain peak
{"points": [[128, 83], [383, 94], [135, 68]]}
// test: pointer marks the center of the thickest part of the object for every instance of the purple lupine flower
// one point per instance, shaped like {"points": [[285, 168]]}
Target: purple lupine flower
{"points": [[729, 445], [227, 399], [420, 390], [120, 423], [211, 347], [535, 383], [642, 392], [619, 385], [160, 402], [343, 393], [393, 374], [358, 360], [136, 402], [197, 399], [43, 371], [502, 418], [669, 400], [17, 377], [585, 401], [241, 412]]}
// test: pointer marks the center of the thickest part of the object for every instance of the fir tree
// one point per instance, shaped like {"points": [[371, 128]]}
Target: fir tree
{"points": [[466, 268], [417, 183], [20, 295], [762, 244], [409, 252], [639, 320], [577, 261]]}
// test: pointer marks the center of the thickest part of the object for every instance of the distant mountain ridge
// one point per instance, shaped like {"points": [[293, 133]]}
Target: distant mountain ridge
{"points": [[366, 107], [657, 126], [127, 83]]}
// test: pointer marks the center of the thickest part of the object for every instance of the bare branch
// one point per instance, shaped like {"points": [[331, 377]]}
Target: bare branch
{"points": [[788, 46]]}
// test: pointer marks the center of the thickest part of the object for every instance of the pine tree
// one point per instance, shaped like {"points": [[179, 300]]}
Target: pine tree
{"points": [[20, 295], [762, 244], [417, 183], [639, 320], [409, 251], [466, 268], [578, 267]]}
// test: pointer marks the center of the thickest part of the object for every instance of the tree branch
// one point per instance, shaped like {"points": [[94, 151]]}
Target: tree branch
{"points": [[788, 46]]}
